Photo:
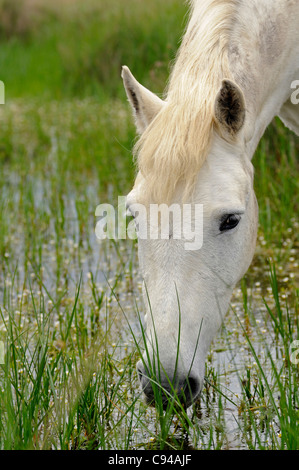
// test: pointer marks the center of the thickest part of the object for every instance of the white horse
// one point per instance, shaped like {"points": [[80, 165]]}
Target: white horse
{"points": [[237, 68]]}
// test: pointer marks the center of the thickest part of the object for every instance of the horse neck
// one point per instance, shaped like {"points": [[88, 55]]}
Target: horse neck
{"points": [[264, 57]]}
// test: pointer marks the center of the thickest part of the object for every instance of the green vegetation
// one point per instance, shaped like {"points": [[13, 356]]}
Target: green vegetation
{"points": [[59, 50], [70, 306]]}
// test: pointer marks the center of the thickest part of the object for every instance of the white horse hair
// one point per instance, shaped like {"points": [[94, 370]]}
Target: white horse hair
{"points": [[234, 72]]}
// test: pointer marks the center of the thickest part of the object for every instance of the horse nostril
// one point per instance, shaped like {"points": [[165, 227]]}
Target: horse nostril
{"points": [[186, 390], [141, 372], [143, 377], [191, 389], [145, 382]]}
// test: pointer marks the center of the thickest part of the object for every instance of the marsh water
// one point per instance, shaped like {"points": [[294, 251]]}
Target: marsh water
{"points": [[67, 256]]}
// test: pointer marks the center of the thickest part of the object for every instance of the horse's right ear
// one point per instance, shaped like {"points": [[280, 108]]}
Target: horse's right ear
{"points": [[145, 104]]}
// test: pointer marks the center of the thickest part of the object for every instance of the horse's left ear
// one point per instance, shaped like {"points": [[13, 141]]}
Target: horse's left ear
{"points": [[145, 104], [230, 108]]}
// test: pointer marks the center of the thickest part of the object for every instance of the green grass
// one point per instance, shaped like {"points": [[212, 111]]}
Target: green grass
{"points": [[70, 306], [66, 385], [270, 394], [78, 49]]}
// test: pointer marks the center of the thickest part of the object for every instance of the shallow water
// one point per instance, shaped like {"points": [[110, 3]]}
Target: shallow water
{"points": [[67, 253]]}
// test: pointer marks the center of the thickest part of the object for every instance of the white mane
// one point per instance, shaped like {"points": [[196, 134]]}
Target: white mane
{"points": [[175, 145]]}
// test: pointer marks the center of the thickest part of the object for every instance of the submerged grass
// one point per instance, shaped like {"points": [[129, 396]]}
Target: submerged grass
{"points": [[70, 308], [66, 384]]}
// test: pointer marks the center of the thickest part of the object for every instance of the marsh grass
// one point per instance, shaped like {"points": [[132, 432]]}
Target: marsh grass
{"points": [[70, 307], [65, 385]]}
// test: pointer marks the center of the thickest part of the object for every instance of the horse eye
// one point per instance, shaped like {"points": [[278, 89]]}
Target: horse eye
{"points": [[229, 222]]}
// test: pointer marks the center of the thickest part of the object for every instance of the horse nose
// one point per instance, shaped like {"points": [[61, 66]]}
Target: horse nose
{"points": [[160, 387]]}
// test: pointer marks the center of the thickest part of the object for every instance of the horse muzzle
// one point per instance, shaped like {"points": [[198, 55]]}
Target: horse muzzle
{"points": [[161, 387]]}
